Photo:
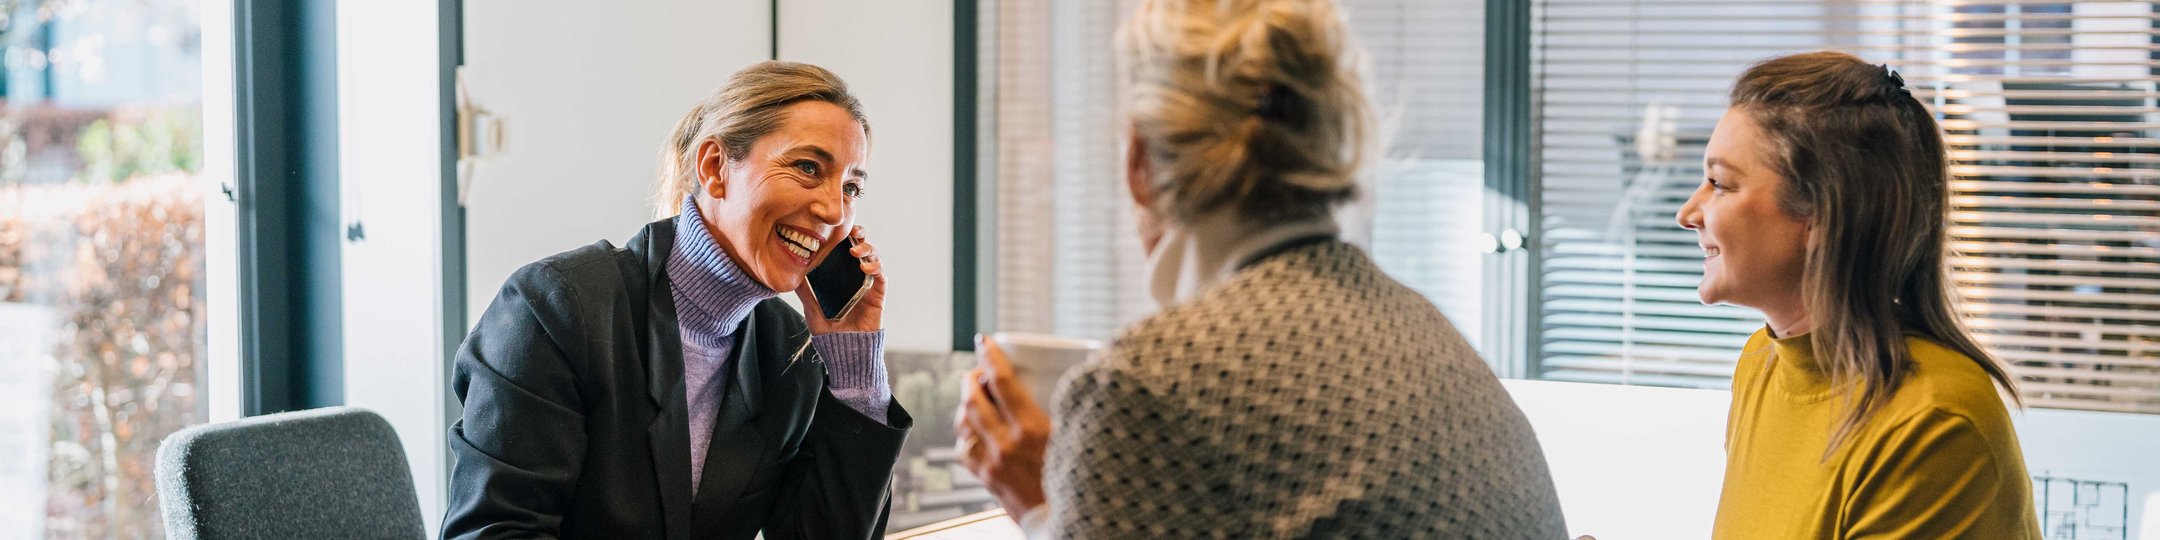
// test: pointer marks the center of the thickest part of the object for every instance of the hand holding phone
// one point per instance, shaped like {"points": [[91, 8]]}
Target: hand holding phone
{"points": [[846, 291]]}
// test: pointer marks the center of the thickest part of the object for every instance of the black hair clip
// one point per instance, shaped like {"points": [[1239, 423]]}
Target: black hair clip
{"points": [[1274, 103], [1893, 83]]}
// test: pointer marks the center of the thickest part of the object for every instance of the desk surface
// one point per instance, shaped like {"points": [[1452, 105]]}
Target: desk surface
{"points": [[986, 525], [1643, 462]]}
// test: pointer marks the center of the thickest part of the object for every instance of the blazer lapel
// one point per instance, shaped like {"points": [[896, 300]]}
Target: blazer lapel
{"points": [[746, 388], [670, 429], [665, 375], [735, 452]]}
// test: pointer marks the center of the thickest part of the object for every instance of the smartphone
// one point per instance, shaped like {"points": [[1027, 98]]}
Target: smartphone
{"points": [[838, 283]]}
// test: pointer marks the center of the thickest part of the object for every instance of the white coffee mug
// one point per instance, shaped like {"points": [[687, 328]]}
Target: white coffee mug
{"points": [[1040, 359]]}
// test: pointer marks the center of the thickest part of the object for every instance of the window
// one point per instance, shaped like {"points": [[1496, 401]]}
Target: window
{"points": [[1068, 259], [103, 330], [2050, 118], [1424, 204]]}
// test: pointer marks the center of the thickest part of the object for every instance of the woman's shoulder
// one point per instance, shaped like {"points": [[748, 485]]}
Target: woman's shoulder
{"points": [[1273, 310], [599, 264], [1944, 385], [576, 285], [1949, 377], [579, 262], [1292, 284], [576, 271]]}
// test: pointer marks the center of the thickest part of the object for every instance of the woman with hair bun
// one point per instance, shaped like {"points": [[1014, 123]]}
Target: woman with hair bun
{"points": [[1287, 388]]}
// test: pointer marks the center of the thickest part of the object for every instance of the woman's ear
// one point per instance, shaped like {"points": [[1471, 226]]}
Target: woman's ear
{"points": [[711, 169], [1139, 178]]}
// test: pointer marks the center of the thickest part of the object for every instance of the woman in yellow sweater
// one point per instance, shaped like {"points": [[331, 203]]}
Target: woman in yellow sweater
{"points": [[1864, 409]]}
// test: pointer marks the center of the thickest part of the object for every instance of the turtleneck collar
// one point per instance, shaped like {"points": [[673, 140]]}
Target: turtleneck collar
{"points": [[1796, 368], [712, 294], [1191, 257]]}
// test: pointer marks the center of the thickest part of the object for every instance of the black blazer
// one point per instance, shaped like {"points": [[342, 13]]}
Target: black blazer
{"points": [[575, 423]]}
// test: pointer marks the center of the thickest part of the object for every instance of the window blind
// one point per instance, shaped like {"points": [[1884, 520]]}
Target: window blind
{"points": [[1067, 258], [1424, 197], [2049, 112]]}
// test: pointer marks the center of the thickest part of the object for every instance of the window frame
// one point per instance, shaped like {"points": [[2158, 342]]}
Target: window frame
{"points": [[285, 172]]}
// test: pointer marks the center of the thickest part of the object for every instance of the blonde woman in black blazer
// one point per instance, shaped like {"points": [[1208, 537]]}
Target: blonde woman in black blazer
{"points": [[660, 389]]}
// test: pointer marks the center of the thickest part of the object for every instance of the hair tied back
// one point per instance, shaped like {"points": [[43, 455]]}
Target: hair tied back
{"points": [[1274, 103], [1893, 83]]}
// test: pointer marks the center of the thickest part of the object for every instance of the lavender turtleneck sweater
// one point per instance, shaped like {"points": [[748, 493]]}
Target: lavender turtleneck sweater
{"points": [[712, 298]]}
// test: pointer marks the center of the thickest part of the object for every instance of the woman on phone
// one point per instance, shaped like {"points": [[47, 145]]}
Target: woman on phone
{"points": [[1863, 409], [660, 389]]}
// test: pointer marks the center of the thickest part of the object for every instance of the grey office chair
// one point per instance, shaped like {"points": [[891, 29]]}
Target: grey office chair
{"points": [[336, 472]]}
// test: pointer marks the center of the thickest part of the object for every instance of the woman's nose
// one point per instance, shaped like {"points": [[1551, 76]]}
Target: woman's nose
{"points": [[829, 206], [1690, 216]]}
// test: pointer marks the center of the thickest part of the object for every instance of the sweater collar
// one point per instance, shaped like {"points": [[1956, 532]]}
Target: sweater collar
{"points": [[1192, 257], [712, 294], [1795, 367]]}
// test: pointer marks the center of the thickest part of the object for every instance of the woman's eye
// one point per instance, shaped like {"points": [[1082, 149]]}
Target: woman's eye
{"points": [[853, 191], [807, 167], [1714, 184]]}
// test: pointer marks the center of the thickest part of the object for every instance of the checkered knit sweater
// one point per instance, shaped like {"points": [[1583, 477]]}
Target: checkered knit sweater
{"points": [[1308, 395]]}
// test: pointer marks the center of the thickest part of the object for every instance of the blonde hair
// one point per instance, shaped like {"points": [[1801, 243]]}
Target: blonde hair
{"points": [[1864, 164], [750, 105], [1257, 105]]}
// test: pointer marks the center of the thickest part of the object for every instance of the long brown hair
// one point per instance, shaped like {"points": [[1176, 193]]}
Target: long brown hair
{"points": [[750, 105], [1864, 164]]}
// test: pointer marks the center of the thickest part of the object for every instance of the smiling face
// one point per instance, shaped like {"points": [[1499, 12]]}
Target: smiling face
{"points": [[1754, 252], [788, 202]]}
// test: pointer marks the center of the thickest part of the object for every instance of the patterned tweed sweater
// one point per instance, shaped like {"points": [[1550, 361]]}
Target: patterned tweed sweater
{"points": [[1308, 395]]}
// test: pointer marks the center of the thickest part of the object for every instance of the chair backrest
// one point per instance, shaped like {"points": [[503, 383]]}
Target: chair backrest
{"points": [[336, 472]]}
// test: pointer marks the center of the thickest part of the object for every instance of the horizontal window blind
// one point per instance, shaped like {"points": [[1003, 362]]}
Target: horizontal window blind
{"points": [[2049, 110], [1067, 256], [1423, 206]]}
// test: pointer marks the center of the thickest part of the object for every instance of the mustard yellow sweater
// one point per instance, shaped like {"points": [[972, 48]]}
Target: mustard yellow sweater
{"points": [[1938, 460]]}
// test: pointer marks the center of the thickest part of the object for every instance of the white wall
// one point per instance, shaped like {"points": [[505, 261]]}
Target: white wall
{"points": [[896, 56], [588, 91], [389, 121]]}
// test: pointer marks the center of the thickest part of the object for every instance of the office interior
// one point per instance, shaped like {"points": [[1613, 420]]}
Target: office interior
{"points": [[212, 210]]}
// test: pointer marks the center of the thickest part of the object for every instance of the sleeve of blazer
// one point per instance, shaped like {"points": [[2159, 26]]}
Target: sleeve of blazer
{"points": [[839, 484], [518, 447]]}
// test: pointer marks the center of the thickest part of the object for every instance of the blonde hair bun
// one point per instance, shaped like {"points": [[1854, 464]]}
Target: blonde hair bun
{"points": [[1253, 105]]}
